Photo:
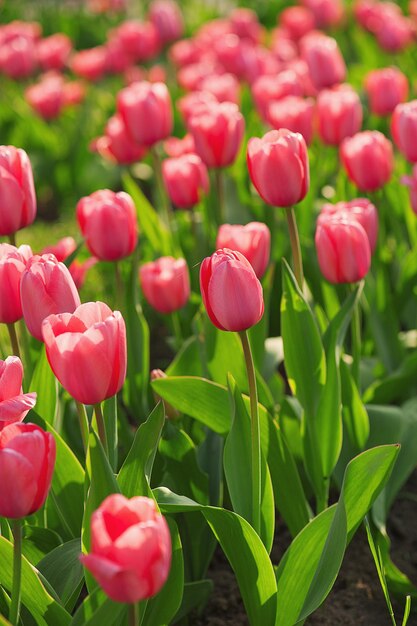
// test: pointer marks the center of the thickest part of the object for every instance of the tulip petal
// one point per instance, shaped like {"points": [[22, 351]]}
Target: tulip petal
{"points": [[18, 484], [119, 584], [15, 409]]}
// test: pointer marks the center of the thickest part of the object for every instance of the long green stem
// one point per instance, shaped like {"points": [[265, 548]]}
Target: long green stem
{"points": [[13, 339], [176, 325], [255, 433], [134, 614], [119, 286], [83, 419], [101, 427], [356, 343], [295, 246], [12, 239], [17, 572], [24, 342], [219, 182], [164, 208]]}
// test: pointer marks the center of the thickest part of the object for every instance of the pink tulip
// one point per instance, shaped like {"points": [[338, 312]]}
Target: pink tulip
{"points": [[186, 180], [385, 89], [278, 167], [267, 89], [14, 404], [395, 34], [224, 87], [339, 114], [245, 24], [165, 284], [12, 265], [130, 548], [118, 59], [324, 59], [297, 21], [368, 159], [87, 351], [140, 40], [252, 240], [46, 287], [175, 147], [326, 13], [283, 47], [79, 269], [17, 28], [17, 191], [343, 250], [404, 129], [117, 144], [53, 52], [146, 111], [166, 16], [47, 97], [232, 294], [90, 64], [361, 210], [294, 113], [411, 182], [108, 222], [218, 133], [191, 77], [184, 52], [62, 249], [27, 460], [18, 58], [194, 103]]}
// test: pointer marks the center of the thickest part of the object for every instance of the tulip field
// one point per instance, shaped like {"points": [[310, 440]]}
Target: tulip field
{"points": [[208, 313]]}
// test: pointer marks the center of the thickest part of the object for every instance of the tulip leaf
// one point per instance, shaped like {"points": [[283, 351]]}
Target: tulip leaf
{"points": [[37, 542], [110, 422], [355, 416], [310, 566], [46, 386], [63, 570], [98, 610], [43, 608], [135, 474], [187, 361], [195, 594]]}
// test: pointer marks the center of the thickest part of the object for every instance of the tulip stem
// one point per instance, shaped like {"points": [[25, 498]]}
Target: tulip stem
{"points": [[119, 286], [295, 246], [134, 614], [356, 343], [219, 183], [17, 572], [83, 419], [101, 427], [24, 340], [164, 204], [12, 239], [13, 339], [176, 325], [255, 433]]}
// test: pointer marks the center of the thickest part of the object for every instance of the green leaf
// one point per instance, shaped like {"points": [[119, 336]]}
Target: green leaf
{"points": [[187, 361], [98, 610], [195, 594], [46, 386], [37, 542], [310, 566], [396, 386], [43, 608], [63, 570], [135, 474], [110, 421], [355, 416]]}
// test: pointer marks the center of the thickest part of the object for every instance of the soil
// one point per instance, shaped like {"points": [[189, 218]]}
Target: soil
{"points": [[356, 598]]}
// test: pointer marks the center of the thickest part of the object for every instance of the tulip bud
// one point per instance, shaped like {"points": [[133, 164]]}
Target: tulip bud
{"points": [[17, 191], [79, 269], [297, 21], [90, 64], [324, 59], [245, 24], [361, 210], [385, 89], [130, 548], [343, 250], [117, 144], [278, 167], [232, 294], [339, 113], [87, 351], [194, 103], [326, 12], [47, 96], [165, 284], [12, 265], [186, 180], [252, 240], [225, 87], [147, 111], [294, 113], [108, 222], [368, 159], [18, 58], [170, 412], [46, 287], [14, 404], [175, 147], [140, 40], [27, 459], [404, 129], [166, 16], [53, 52], [268, 89]]}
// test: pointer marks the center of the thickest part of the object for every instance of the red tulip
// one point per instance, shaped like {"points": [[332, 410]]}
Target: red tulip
{"points": [[130, 548], [17, 191], [232, 294], [146, 111], [186, 180], [175, 147], [324, 59], [53, 52], [326, 12], [18, 58], [339, 113], [27, 459], [294, 113], [385, 89], [87, 351], [47, 96], [166, 16], [245, 24], [404, 129], [361, 210], [278, 167], [165, 284], [224, 87], [12, 265], [46, 287], [90, 64], [267, 89], [117, 144], [297, 21], [140, 39], [252, 240], [368, 159], [14, 404], [194, 103], [118, 59], [191, 76], [411, 182], [395, 34], [343, 250]]}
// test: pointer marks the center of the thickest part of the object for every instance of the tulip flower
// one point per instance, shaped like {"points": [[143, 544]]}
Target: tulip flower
{"points": [[411, 182], [79, 269], [53, 52], [140, 40], [166, 16], [62, 249], [165, 284], [326, 13], [361, 210], [46, 287], [339, 114], [324, 59], [368, 159], [245, 24], [108, 222], [12, 265], [297, 21], [225, 87], [18, 58], [130, 553], [252, 240], [117, 145], [404, 129], [14, 404], [175, 147], [17, 191], [385, 89], [47, 97], [186, 180], [268, 89], [90, 64], [193, 103], [294, 113]]}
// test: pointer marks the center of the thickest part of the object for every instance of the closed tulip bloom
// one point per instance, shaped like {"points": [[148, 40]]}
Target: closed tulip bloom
{"points": [[62, 249], [87, 351], [14, 404], [47, 97], [27, 460], [53, 52], [324, 59], [166, 16], [404, 129], [245, 24], [17, 191], [12, 265], [90, 64], [339, 114], [268, 89], [252, 240], [147, 111], [108, 222], [165, 284], [343, 250], [117, 144], [224, 87], [278, 167], [140, 39], [294, 113], [46, 287], [326, 12], [368, 159], [297, 21], [360, 209], [385, 89], [18, 58], [130, 553], [231, 291], [218, 133], [186, 180], [194, 103]]}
